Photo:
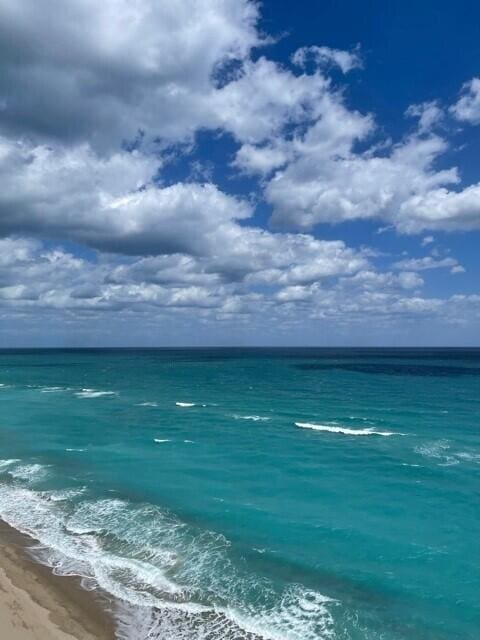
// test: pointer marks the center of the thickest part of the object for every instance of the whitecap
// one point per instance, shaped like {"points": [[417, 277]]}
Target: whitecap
{"points": [[147, 404], [92, 393], [159, 441], [254, 418], [185, 404], [79, 450], [344, 430], [51, 389]]}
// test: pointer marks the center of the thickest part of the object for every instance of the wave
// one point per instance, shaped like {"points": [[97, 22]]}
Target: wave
{"points": [[51, 389], [5, 464], [185, 405], [254, 418], [92, 393], [29, 472], [160, 441], [169, 579], [344, 430]]}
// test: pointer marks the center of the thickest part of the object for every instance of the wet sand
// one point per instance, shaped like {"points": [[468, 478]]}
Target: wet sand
{"points": [[37, 605]]}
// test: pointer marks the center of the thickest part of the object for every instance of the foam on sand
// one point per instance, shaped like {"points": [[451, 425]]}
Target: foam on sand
{"points": [[344, 430]]}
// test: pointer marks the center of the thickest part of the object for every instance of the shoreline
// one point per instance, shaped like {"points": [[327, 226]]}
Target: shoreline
{"points": [[35, 604]]}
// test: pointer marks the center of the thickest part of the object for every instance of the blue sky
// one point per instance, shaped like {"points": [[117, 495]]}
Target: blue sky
{"points": [[216, 172]]}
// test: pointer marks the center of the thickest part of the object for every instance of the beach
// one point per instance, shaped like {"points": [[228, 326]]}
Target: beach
{"points": [[36, 605]]}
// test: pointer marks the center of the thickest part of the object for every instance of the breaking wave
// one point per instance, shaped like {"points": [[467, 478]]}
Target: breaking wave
{"points": [[344, 430]]}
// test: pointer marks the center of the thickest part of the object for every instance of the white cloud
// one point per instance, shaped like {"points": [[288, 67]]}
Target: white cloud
{"points": [[427, 240], [121, 67], [328, 182], [429, 114], [325, 56], [78, 81], [429, 262], [261, 159], [467, 108], [440, 209], [111, 203], [263, 99], [118, 65], [36, 279], [178, 298]]}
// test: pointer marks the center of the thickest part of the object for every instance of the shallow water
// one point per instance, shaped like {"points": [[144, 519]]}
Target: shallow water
{"points": [[286, 494]]}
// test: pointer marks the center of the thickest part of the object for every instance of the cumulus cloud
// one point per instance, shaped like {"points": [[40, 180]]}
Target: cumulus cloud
{"points": [[467, 108], [110, 204], [330, 183], [89, 70], [441, 209], [96, 99], [36, 279], [102, 72]]}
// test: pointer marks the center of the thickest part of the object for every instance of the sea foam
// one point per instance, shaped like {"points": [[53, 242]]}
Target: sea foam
{"points": [[441, 451], [29, 472]]}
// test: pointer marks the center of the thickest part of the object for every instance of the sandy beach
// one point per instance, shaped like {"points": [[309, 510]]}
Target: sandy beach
{"points": [[36, 605]]}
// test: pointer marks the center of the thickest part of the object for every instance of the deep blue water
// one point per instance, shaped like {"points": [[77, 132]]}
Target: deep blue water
{"points": [[226, 519]]}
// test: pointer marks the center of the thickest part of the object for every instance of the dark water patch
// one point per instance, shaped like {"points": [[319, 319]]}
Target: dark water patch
{"points": [[393, 369]]}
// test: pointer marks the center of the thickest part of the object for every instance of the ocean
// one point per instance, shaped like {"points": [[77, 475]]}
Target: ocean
{"points": [[276, 494]]}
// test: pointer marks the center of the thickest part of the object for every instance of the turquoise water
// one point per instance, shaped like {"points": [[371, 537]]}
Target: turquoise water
{"points": [[221, 517]]}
